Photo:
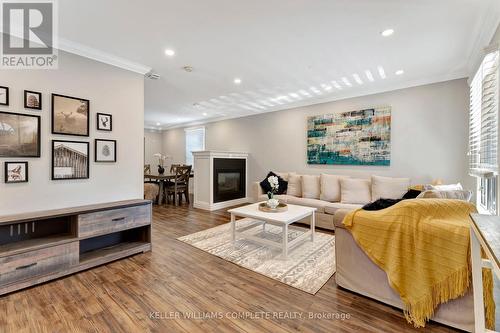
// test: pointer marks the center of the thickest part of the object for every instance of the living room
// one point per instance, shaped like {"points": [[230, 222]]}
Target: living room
{"points": [[253, 167]]}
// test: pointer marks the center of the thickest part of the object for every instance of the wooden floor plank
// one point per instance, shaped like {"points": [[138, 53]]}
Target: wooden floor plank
{"points": [[153, 292]]}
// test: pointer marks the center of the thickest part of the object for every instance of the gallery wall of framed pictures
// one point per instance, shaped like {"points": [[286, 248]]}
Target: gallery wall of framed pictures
{"points": [[21, 135]]}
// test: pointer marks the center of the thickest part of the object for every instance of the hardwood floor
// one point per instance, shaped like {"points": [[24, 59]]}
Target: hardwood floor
{"points": [[151, 292]]}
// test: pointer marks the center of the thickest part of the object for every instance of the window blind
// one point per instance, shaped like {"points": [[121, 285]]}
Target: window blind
{"points": [[195, 141], [483, 118]]}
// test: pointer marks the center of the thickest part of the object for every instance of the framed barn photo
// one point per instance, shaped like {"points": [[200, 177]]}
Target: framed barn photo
{"points": [[104, 122], [70, 160], [4, 96], [70, 115], [32, 100], [105, 150], [19, 135], [16, 172]]}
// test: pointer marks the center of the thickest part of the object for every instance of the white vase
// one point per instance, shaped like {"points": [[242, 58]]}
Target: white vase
{"points": [[273, 203]]}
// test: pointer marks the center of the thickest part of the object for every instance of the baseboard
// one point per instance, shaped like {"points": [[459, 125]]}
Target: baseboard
{"points": [[220, 205]]}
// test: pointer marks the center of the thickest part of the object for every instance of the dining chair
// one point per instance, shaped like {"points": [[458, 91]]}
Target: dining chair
{"points": [[180, 184]]}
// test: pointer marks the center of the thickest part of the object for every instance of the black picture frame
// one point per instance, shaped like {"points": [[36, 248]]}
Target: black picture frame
{"points": [[18, 181], [7, 97], [54, 131], [99, 128], [87, 167], [26, 106], [39, 136], [95, 151]]}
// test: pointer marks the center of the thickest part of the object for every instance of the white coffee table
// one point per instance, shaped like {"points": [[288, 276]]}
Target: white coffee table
{"points": [[283, 219]]}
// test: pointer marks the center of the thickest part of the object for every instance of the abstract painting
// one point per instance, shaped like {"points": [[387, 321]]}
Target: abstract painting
{"points": [[104, 122], [360, 137], [19, 135], [70, 115]]}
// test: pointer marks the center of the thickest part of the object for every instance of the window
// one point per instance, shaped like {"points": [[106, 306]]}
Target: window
{"points": [[195, 141], [483, 131]]}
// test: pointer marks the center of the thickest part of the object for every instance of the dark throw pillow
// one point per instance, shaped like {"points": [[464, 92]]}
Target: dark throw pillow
{"points": [[266, 187], [381, 204], [411, 194]]}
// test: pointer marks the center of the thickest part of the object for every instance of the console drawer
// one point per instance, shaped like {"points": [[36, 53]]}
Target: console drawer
{"points": [[109, 221], [31, 264]]}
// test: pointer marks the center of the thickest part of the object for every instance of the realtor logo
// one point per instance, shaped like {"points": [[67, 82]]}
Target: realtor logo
{"points": [[28, 38]]}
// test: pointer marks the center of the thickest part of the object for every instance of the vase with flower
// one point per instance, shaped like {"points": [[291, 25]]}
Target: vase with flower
{"points": [[161, 162], [274, 183]]}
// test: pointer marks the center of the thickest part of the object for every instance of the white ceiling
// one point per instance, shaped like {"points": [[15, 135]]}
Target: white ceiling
{"points": [[287, 52]]}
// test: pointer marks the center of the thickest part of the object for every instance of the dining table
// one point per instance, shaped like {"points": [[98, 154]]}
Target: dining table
{"points": [[162, 179]]}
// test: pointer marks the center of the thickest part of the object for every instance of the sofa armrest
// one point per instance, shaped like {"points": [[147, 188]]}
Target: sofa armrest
{"points": [[256, 191], [338, 217]]}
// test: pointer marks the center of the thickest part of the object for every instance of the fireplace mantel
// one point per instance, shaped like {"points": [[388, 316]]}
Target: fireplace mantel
{"points": [[228, 170]]}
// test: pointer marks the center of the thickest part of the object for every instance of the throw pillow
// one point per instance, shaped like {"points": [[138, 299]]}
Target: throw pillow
{"points": [[282, 184], [284, 175], [450, 187], [294, 185], [330, 187], [355, 191], [457, 194], [389, 188], [310, 187], [411, 194]]}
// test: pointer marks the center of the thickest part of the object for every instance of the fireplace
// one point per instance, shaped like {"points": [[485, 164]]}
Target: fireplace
{"points": [[229, 179]]}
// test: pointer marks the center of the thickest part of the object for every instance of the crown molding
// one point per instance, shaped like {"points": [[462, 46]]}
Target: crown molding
{"points": [[487, 26], [97, 55], [336, 97]]}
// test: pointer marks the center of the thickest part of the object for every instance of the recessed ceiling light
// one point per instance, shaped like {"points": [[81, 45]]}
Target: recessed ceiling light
{"points": [[205, 114], [400, 72], [237, 81], [337, 85], [387, 32], [346, 82], [369, 75], [357, 79], [169, 52], [158, 124], [381, 72]]}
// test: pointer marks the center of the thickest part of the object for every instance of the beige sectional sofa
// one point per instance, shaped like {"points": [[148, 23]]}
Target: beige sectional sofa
{"points": [[329, 193], [334, 197]]}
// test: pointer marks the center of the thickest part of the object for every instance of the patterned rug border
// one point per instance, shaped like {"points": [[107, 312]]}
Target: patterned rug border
{"points": [[182, 239]]}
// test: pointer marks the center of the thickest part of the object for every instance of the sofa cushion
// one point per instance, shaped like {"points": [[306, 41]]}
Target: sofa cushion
{"points": [[333, 207], [389, 188], [310, 187], [282, 184], [355, 191], [294, 185], [330, 187], [284, 175], [315, 203]]}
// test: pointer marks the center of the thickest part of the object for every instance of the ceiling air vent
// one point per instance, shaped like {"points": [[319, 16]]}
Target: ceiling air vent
{"points": [[152, 75]]}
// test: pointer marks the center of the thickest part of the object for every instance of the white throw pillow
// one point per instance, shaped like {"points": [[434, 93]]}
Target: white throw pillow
{"points": [[310, 187], [284, 175], [455, 194], [294, 185], [330, 187], [450, 187], [355, 191], [389, 188]]}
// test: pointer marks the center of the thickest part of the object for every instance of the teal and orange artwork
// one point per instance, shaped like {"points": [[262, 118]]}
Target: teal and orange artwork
{"points": [[360, 137]]}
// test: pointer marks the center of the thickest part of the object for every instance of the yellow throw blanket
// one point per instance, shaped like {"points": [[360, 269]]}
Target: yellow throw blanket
{"points": [[423, 246]]}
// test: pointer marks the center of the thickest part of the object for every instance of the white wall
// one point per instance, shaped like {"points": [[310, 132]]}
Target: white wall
{"points": [[429, 135], [152, 144], [110, 90]]}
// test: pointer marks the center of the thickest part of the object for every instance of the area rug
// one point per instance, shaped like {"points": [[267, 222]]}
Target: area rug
{"points": [[307, 267]]}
